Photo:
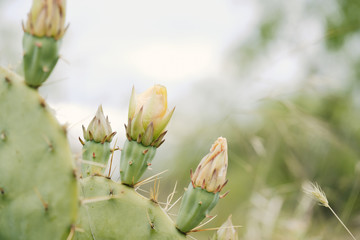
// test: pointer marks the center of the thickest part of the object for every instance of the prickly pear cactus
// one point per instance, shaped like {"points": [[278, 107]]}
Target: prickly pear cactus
{"points": [[39, 194], [111, 210]]}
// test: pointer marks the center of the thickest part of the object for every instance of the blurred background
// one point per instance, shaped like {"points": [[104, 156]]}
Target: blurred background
{"points": [[279, 79]]}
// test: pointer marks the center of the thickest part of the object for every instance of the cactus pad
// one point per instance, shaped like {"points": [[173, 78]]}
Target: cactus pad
{"points": [[39, 195], [111, 210]]}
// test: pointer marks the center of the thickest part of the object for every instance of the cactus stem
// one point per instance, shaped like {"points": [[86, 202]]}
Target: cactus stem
{"points": [[44, 203], [81, 141], [2, 191], [92, 163]]}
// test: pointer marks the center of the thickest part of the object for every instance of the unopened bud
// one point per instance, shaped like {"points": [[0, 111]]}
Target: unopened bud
{"points": [[211, 172], [99, 129], [46, 19]]}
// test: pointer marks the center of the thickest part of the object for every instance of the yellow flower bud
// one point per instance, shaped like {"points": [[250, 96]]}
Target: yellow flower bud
{"points": [[148, 115], [46, 18], [211, 172]]}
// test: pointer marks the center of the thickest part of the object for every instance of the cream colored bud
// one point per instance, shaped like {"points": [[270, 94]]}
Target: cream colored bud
{"points": [[211, 172], [99, 129], [46, 19], [149, 107]]}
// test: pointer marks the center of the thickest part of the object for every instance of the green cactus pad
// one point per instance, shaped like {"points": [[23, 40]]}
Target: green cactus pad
{"points": [[39, 194], [97, 153], [40, 57], [195, 205], [127, 215], [135, 159]]}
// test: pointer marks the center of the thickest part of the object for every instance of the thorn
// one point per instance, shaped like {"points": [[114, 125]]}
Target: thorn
{"points": [[149, 164], [200, 203], [38, 44], [81, 141], [93, 155], [42, 102], [51, 147], [208, 216], [115, 149], [130, 162], [104, 139], [150, 222], [224, 195], [111, 192], [145, 151], [72, 232], [2, 191], [217, 189], [45, 204], [203, 184], [139, 138]]}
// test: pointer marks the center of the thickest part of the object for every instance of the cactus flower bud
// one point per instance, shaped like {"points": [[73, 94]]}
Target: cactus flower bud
{"points": [[202, 194], [227, 231], [96, 148], [211, 172], [46, 19], [99, 129], [148, 116]]}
